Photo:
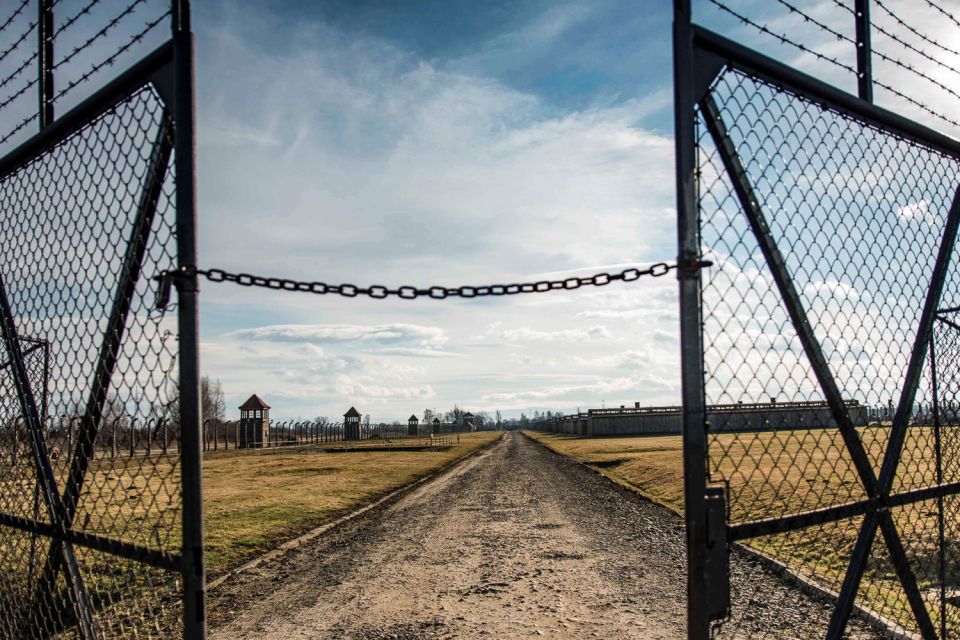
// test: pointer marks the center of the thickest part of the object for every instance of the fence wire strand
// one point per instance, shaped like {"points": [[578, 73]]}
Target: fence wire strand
{"points": [[72, 19], [109, 60], [924, 37], [13, 16], [946, 14]]}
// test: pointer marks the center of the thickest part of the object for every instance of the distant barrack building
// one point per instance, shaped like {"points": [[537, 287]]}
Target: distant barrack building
{"points": [[761, 416]]}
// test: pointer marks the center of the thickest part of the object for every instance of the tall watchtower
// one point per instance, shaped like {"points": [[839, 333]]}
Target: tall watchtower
{"points": [[351, 424], [413, 424], [254, 429], [436, 425]]}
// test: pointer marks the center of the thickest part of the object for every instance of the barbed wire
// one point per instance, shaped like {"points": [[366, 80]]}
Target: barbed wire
{"points": [[916, 103], [946, 13], [845, 38], [13, 16], [16, 94], [18, 41], [23, 123], [784, 39], [822, 25], [69, 22], [913, 30], [166, 278], [910, 47], [112, 57], [16, 72], [100, 33]]}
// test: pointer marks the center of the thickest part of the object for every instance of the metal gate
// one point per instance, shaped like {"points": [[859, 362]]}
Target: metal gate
{"points": [[96, 542], [831, 225]]}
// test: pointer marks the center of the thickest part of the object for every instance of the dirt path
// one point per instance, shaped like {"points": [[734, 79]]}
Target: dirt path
{"points": [[516, 542]]}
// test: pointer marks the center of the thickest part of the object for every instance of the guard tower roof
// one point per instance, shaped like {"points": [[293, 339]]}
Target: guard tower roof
{"points": [[254, 402]]}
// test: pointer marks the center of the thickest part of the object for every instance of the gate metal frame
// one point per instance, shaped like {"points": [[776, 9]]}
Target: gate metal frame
{"points": [[169, 69], [700, 56]]}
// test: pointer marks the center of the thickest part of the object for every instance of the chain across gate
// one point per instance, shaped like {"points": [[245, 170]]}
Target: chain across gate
{"points": [[91, 206], [832, 225]]}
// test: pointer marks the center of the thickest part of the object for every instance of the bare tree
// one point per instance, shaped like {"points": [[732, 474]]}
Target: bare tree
{"points": [[212, 404]]}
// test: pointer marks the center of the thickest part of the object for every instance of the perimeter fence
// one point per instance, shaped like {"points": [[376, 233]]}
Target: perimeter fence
{"points": [[831, 224]]}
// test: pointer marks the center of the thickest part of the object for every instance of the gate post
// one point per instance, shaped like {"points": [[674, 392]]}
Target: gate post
{"points": [[192, 567], [691, 338]]}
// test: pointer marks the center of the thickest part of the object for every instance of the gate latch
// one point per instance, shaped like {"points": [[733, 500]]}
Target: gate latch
{"points": [[717, 565]]}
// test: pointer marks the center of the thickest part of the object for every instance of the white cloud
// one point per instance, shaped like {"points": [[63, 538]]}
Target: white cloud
{"points": [[526, 334], [332, 333], [915, 210], [832, 289], [412, 352], [631, 359], [590, 392]]}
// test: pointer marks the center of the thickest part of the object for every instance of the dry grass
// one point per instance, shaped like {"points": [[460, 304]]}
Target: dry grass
{"points": [[776, 473], [253, 501]]}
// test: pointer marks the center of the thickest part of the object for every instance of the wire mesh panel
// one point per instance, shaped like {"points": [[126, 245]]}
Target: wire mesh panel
{"points": [[830, 237], [92, 416]]}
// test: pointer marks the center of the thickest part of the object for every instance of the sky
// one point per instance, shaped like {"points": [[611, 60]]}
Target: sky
{"points": [[437, 143], [454, 142], [446, 143]]}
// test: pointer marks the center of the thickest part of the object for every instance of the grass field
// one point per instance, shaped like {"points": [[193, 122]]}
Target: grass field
{"points": [[253, 500], [776, 473]]}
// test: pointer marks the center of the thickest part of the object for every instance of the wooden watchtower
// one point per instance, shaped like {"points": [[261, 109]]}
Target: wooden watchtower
{"points": [[351, 424], [254, 429]]}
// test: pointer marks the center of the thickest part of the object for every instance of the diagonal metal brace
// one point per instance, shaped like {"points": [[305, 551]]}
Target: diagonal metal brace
{"points": [[114, 333], [895, 445], [44, 470], [875, 489]]}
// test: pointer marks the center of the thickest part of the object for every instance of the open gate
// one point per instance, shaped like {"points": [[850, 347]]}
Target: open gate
{"points": [[831, 225], [98, 541]]}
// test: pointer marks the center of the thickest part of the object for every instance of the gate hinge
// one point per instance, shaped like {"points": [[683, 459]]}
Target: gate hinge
{"points": [[717, 565]]}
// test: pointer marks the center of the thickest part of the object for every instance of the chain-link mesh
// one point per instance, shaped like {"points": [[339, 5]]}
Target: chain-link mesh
{"points": [[857, 215], [82, 228]]}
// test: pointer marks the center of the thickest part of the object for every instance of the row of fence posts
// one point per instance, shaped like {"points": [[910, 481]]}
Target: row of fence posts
{"points": [[225, 434], [128, 437], [120, 437]]}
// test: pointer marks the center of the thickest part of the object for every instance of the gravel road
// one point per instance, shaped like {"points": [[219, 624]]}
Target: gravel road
{"points": [[516, 542]]}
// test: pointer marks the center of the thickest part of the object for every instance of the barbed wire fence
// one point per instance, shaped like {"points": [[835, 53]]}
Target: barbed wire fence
{"points": [[904, 55], [831, 219], [100, 532]]}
